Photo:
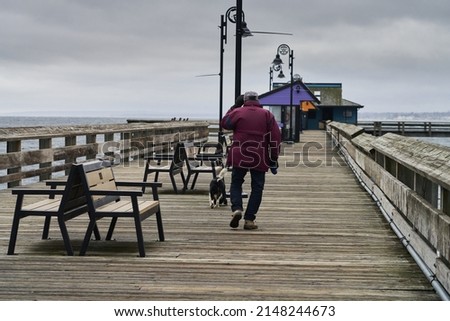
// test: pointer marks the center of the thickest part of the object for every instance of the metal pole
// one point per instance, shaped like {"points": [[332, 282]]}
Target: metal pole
{"points": [[291, 66], [223, 40], [237, 85], [270, 78]]}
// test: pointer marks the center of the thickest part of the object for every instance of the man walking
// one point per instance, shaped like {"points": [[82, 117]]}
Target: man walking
{"points": [[255, 149]]}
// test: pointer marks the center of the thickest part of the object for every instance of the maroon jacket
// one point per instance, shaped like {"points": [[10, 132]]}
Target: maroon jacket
{"points": [[256, 137]]}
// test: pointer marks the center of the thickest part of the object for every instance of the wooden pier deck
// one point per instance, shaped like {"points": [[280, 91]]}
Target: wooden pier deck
{"points": [[321, 237]]}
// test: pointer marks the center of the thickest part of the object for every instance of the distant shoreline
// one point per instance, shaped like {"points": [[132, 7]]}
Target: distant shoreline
{"points": [[394, 116]]}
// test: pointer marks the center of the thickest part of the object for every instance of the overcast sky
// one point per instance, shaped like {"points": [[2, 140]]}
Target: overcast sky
{"points": [[140, 58]]}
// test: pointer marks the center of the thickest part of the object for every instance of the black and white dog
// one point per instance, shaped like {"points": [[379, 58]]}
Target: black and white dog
{"points": [[217, 192]]}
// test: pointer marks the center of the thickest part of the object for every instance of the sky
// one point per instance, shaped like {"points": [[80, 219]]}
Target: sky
{"points": [[142, 58]]}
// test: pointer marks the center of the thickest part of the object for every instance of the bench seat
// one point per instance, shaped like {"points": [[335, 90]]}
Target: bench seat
{"points": [[47, 205], [127, 207]]}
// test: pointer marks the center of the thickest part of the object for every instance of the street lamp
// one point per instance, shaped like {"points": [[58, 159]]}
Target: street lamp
{"points": [[238, 67], [283, 50], [232, 16], [242, 31], [280, 74]]}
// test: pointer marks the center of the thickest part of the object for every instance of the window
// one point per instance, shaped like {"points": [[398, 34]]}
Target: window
{"points": [[348, 113]]}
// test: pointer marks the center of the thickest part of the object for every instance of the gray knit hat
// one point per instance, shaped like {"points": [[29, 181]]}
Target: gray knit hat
{"points": [[250, 95]]}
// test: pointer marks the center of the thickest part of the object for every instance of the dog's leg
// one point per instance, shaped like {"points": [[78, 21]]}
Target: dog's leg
{"points": [[211, 202]]}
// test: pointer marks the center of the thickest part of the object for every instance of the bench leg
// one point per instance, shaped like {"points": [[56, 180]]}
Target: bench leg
{"points": [[146, 173], [46, 230], [160, 226], [87, 237], [186, 181], [111, 228], [174, 183], [140, 237], [183, 179], [194, 180], [65, 235], [97, 233], [13, 238]]}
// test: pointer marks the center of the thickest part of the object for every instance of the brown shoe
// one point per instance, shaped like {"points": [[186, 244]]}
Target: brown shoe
{"points": [[250, 225]]}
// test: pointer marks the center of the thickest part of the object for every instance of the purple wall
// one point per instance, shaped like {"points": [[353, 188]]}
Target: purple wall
{"points": [[282, 96]]}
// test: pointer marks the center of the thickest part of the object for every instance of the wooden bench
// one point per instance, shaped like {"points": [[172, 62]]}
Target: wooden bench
{"points": [[173, 167], [63, 204], [196, 163], [104, 199]]}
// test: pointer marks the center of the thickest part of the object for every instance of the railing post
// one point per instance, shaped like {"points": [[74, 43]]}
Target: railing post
{"points": [[91, 139], [70, 141], [45, 143], [109, 137], [126, 142], [377, 128], [445, 201], [12, 147]]}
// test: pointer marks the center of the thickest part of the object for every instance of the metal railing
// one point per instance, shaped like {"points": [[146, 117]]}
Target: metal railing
{"points": [[407, 128]]}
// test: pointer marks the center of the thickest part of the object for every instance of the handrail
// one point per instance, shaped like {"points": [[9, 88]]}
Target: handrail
{"points": [[28, 152], [407, 128], [411, 181]]}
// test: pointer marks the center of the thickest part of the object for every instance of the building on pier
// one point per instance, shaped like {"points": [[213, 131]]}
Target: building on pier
{"points": [[313, 103]]}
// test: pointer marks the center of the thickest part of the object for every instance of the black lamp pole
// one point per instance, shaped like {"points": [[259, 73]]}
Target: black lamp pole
{"points": [[236, 16], [270, 78], [223, 40], [237, 84], [291, 67]]}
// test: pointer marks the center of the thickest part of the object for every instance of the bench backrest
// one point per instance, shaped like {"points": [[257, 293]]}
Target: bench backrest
{"points": [[179, 157], [73, 201], [188, 151], [97, 175]]}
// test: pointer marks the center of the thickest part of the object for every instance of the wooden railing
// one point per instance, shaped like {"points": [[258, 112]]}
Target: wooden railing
{"points": [[37, 152], [410, 180], [407, 128]]}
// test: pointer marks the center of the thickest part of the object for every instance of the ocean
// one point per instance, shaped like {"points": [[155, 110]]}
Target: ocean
{"points": [[57, 121]]}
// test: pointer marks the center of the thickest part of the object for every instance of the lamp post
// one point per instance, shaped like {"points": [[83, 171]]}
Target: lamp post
{"points": [[236, 15], [233, 16], [282, 50], [223, 41], [238, 67], [270, 77]]}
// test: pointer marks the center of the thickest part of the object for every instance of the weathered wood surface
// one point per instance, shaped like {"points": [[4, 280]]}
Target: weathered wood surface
{"points": [[41, 132], [321, 237]]}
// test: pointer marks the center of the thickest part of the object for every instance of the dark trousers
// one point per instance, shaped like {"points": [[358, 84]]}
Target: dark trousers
{"points": [[257, 186]]}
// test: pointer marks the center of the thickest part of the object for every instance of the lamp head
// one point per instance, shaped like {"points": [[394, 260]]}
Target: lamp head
{"points": [[245, 31], [277, 61]]}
